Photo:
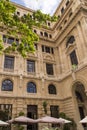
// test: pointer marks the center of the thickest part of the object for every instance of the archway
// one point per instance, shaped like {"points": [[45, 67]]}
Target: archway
{"points": [[80, 99]]}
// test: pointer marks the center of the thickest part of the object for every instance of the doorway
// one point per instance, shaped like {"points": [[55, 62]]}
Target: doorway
{"points": [[32, 113]]}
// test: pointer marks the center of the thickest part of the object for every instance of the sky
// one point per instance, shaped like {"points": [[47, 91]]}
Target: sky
{"points": [[46, 6]]}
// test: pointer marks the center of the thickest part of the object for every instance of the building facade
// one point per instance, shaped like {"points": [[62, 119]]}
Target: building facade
{"points": [[56, 73]]}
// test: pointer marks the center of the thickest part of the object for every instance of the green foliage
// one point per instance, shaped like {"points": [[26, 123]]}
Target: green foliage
{"points": [[21, 27], [67, 126], [3, 115], [74, 66], [21, 113], [45, 107]]}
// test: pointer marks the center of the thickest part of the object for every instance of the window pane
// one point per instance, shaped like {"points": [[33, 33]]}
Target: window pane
{"points": [[51, 89], [71, 40], [73, 58], [43, 48], [49, 69], [52, 51], [30, 66], [9, 62], [31, 87], [7, 85], [35, 45], [4, 38], [10, 40], [54, 111], [47, 49]]}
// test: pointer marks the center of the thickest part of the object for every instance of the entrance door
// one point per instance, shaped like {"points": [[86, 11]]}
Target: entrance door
{"points": [[80, 98], [32, 113]]}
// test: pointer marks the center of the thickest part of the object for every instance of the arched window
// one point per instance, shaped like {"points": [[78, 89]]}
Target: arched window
{"points": [[70, 40], [51, 89], [7, 85], [31, 87], [45, 34], [79, 96]]}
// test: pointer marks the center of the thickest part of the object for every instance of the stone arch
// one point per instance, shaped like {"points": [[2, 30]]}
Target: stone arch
{"points": [[79, 79], [80, 101]]}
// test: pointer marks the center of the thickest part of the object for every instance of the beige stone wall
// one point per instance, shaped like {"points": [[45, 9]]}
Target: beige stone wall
{"points": [[64, 77]]}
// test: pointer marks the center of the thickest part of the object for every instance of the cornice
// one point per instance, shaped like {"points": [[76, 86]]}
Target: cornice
{"points": [[75, 14], [22, 7]]}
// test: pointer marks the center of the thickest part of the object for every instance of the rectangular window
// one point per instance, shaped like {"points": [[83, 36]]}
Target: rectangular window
{"points": [[52, 51], [54, 111], [10, 40], [30, 66], [49, 69], [9, 62], [4, 39], [6, 114], [47, 49], [62, 10], [43, 48], [73, 58], [17, 41], [67, 3], [35, 45]]}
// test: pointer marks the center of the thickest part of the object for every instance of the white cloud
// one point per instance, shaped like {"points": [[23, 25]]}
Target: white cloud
{"points": [[46, 6]]}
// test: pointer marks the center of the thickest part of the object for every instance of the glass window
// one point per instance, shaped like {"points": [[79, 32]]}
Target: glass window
{"points": [[36, 47], [31, 87], [4, 38], [30, 66], [49, 69], [45, 34], [35, 31], [6, 114], [67, 3], [51, 89], [50, 36], [52, 50], [9, 62], [62, 10], [70, 14], [10, 40], [78, 96], [54, 111], [47, 49], [43, 48], [7, 85], [73, 58], [41, 33], [17, 41], [70, 40], [48, 24]]}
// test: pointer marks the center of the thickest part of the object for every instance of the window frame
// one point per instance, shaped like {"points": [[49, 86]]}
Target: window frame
{"points": [[49, 69], [9, 62], [32, 88], [8, 87], [30, 66], [52, 89], [73, 58]]}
